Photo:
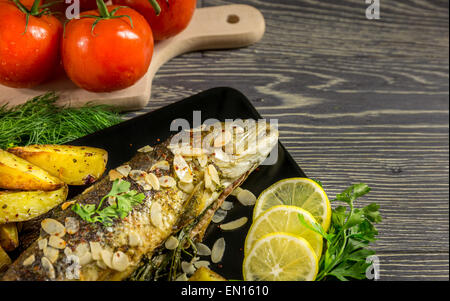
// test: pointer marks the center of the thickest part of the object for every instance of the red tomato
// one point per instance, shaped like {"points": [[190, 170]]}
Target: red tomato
{"points": [[173, 19], [27, 58], [113, 56]]}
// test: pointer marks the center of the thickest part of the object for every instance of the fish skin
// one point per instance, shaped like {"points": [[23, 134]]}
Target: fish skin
{"points": [[115, 238]]}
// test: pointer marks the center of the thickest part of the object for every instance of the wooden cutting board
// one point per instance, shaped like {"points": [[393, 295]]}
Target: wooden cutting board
{"points": [[220, 27]]}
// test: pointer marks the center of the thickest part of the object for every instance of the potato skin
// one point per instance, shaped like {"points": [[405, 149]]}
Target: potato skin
{"points": [[205, 274], [19, 206], [75, 165], [4, 260], [19, 174], [9, 237]]}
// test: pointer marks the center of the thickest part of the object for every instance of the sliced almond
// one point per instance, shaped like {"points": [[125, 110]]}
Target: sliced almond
{"points": [[89, 189], [187, 267], [134, 239], [164, 165], [156, 215], [219, 216], [182, 277], [246, 197], [115, 175], [66, 205], [182, 169], [214, 174], [51, 253], [29, 261], [202, 160], [186, 187], [145, 149], [124, 170], [96, 250], [48, 268], [208, 181], [120, 261], [86, 258], [167, 181], [226, 205], [236, 191], [218, 250], [201, 263], [42, 243], [171, 243], [53, 227], [234, 224], [202, 249], [82, 249], [106, 257], [137, 174], [72, 225], [68, 251], [56, 242], [152, 180]]}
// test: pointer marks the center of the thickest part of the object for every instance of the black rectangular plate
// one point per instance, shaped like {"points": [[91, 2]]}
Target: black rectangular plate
{"points": [[122, 141]]}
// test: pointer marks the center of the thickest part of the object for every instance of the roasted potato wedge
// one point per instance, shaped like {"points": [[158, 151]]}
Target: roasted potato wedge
{"points": [[19, 206], [205, 274], [4, 260], [19, 174], [75, 165], [9, 237]]}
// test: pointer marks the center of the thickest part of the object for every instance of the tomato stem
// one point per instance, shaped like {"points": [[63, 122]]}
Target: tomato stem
{"points": [[105, 14], [102, 9], [156, 6], [36, 11]]}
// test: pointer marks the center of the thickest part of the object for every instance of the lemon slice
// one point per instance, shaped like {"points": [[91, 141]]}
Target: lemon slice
{"points": [[284, 218], [280, 257], [300, 192]]}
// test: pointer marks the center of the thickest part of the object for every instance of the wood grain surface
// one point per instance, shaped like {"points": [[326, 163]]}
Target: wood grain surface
{"points": [[357, 100]]}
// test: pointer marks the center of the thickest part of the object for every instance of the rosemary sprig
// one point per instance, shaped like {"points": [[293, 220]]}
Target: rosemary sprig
{"points": [[41, 121]]}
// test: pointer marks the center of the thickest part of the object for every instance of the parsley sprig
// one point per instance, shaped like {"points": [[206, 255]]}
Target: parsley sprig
{"points": [[125, 200], [350, 234]]}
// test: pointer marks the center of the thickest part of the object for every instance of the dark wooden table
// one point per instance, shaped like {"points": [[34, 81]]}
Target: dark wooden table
{"points": [[357, 100]]}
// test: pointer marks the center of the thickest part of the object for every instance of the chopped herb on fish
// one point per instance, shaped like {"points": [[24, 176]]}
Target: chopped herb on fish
{"points": [[125, 198]]}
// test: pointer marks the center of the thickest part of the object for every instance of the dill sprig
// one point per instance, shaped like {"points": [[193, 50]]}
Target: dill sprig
{"points": [[41, 121]]}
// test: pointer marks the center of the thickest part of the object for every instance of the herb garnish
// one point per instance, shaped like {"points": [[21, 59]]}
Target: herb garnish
{"points": [[349, 235], [41, 121], [125, 199]]}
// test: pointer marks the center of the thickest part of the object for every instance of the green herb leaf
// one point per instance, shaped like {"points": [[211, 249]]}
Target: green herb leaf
{"points": [[125, 200], [351, 231], [41, 121]]}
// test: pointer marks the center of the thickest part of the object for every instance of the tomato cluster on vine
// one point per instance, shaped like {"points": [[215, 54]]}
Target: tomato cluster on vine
{"points": [[105, 48]]}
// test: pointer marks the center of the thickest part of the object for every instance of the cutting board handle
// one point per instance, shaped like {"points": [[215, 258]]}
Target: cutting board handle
{"points": [[220, 27]]}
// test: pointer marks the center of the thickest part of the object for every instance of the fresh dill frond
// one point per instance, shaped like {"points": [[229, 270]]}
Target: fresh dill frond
{"points": [[41, 121]]}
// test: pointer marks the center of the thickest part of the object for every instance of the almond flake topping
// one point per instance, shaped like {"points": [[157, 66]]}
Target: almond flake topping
{"points": [[164, 165], [48, 267], [152, 180], [115, 175], [145, 149], [182, 169], [120, 261], [56, 242], [29, 260], [53, 227], [167, 181], [124, 170]]}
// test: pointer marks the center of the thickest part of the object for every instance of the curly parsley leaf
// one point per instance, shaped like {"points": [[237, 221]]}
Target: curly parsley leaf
{"points": [[351, 231], [124, 201]]}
